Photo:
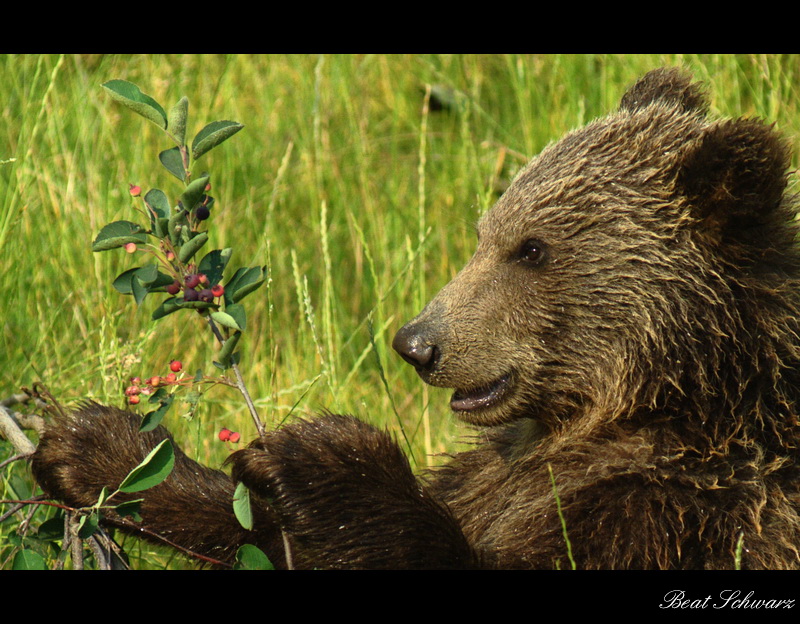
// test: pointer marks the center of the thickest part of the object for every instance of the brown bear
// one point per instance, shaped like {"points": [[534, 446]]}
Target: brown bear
{"points": [[629, 324]]}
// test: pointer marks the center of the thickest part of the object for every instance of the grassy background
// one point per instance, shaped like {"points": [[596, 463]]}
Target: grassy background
{"points": [[360, 201]]}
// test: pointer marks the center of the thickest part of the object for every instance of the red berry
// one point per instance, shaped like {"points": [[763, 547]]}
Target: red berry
{"points": [[174, 288], [130, 247], [132, 391], [208, 186], [224, 434], [234, 437], [154, 381], [170, 377], [170, 255], [175, 366], [192, 280], [217, 290], [134, 190], [203, 278], [133, 400], [136, 381]]}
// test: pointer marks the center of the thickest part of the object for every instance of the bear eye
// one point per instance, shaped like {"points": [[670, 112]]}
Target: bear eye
{"points": [[532, 252]]}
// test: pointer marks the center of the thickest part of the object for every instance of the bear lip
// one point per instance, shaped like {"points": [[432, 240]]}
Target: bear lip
{"points": [[480, 398]]}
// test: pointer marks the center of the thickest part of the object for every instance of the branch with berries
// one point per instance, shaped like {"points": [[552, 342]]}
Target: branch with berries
{"points": [[169, 241]]}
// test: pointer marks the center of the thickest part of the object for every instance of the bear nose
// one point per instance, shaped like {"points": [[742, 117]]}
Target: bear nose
{"points": [[414, 349]]}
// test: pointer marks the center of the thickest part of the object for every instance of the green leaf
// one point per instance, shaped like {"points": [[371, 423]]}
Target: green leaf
{"points": [[196, 305], [244, 282], [212, 135], [190, 248], [177, 120], [239, 314], [227, 350], [87, 525], [102, 498], [193, 192], [241, 506], [152, 471], [159, 395], [173, 162], [176, 220], [161, 282], [147, 274], [249, 557], [130, 508], [213, 264], [118, 234], [168, 306], [28, 560], [153, 419], [158, 205], [123, 281], [131, 96], [138, 290], [226, 320], [52, 529]]}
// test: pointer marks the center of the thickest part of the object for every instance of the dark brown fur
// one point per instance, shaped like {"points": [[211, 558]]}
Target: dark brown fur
{"points": [[629, 321]]}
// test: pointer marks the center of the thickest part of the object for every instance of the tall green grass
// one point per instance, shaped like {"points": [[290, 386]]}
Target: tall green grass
{"points": [[358, 195]]}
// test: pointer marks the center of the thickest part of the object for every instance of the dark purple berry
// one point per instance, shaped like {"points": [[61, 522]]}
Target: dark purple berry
{"points": [[174, 288], [192, 281], [206, 295], [202, 213], [190, 294]]}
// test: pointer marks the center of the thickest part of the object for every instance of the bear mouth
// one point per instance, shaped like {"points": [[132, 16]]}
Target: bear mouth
{"points": [[481, 398]]}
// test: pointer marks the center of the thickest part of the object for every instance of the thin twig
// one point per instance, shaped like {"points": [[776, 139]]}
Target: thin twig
{"points": [[240, 382]]}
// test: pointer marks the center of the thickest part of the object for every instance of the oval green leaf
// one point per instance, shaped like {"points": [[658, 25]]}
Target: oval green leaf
{"points": [[168, 306], [241, 506], [118, 234], [244, 282], [227, 351], [173, 162], [87, 525], [153, 419], [28, 560], [226, 320], [157, 204], [177, 120], [130, 508], [213, 264], [249, 557], [193, 192], [189, 249], [212, 135], [123, 282], [131, 96], [152, 471]]}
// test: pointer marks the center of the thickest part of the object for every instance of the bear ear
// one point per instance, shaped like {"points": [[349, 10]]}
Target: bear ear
{"points": [[669, 85], [735, 174]]}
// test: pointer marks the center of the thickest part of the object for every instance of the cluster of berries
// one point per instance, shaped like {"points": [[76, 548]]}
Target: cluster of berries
{"points": [[150, 385], [195, 288], [226, 435]]}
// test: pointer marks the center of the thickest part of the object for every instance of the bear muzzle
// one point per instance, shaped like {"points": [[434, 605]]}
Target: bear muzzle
{"points": [[416, 343]]}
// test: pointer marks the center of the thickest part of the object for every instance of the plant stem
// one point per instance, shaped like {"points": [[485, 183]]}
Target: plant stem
{"points": [[240, 382]]}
